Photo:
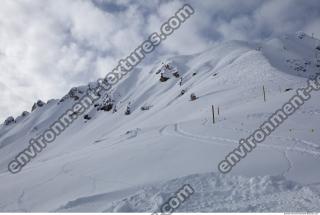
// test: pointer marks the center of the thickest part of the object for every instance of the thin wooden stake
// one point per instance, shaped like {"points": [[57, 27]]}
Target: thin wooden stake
{"points": [[213, 114], [264, 93], [218, 111]]}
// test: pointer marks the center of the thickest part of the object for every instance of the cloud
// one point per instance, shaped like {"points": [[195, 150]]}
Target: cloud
{"points": [[47, 47]]}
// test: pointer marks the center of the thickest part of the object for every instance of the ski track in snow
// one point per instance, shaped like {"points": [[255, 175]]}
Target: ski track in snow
{"points": [[290, 139], [178, 131], [175, 129]]}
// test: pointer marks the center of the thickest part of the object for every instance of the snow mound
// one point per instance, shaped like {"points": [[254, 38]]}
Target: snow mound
{"points": [[213, 193]]}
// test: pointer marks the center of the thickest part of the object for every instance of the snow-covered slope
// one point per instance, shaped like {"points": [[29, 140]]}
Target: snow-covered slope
{"points": [[213, 193], [118, 162]]}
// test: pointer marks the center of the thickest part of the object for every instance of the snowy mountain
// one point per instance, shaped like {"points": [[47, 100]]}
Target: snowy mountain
{"points": [[146, 138]]}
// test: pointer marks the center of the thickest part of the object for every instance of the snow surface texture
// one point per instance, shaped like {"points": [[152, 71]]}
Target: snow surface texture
{"points": [[134, 163]]}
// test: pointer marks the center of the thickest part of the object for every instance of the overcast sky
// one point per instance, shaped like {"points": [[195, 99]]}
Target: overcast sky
{"points": [[49, 46]]}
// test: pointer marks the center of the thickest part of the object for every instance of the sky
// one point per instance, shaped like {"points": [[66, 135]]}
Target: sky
{"points": [[48, 47]]}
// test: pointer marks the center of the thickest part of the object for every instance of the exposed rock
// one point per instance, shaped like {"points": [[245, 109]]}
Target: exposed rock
{"points": [[168, 71], [25, 113], [34, 129], [193, 97], [182, 92], [176, 74], [115, 109], [107, 107], [163, 79], [87, 117], [74, 93], [9, 121], [39, 103], [128, 111], [146, 107]]}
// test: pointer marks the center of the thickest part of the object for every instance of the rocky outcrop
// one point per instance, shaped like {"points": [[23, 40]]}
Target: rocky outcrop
{"points": [[193, 97], [39, 103], [163, 78], [146, 107], [107, 104], [107, 107], [9, 121], [168, 71], [87, 117], [128, 110], [25, 113], [75, 94]]}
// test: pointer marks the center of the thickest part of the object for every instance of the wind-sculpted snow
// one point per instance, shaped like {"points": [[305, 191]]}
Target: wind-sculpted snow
{"points": [[113, 161], [213, 193]]}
